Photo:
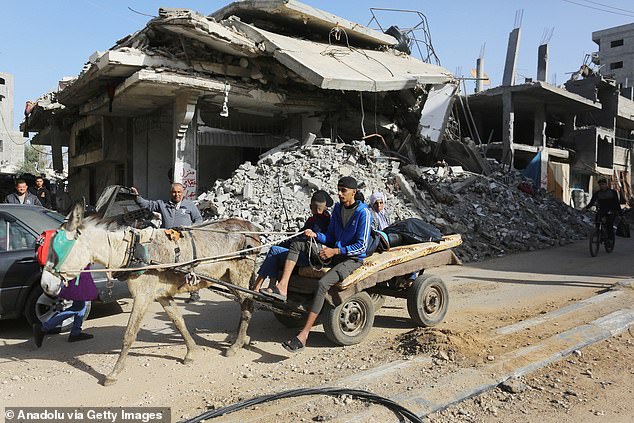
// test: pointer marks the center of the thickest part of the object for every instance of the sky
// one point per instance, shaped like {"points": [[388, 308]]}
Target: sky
{"points": [[42, 41]]}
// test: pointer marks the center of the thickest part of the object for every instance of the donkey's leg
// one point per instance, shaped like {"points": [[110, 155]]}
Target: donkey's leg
{"points": [[169, 305], [246, 306], [139, 307]]}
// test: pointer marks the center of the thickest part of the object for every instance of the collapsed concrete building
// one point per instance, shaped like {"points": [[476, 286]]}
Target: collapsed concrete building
{"points": [[190, 97], [571, 135]]}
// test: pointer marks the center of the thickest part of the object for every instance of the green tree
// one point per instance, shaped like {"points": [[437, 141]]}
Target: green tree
{"points": [[32, 163]]}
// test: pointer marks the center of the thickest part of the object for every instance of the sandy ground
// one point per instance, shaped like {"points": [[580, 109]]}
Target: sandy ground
{"points": [[595, 385]]}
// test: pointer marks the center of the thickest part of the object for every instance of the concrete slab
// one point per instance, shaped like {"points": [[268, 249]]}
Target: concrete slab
{"points": [[292, 12], [343, 68]]}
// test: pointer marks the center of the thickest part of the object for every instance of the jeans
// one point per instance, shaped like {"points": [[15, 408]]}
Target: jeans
{"points": [[77, 310], [274, 262]]}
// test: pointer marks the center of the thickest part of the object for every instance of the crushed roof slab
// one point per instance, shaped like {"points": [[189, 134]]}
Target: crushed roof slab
{"points": [[345, 68], [295, 12], [147, 89]]}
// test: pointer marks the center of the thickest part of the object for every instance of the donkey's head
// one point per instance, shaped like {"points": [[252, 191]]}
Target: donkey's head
{"points": [[69, 251]]}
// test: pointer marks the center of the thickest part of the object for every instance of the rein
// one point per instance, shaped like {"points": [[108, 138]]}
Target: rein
{"points": [[212, 259]]}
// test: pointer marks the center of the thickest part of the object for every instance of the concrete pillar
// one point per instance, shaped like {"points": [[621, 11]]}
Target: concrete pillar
{"points": [[56, 147], [185, 144], [511, 57], [508, 121], [479, 74], [543, 177], [539, 131], [542, 62]]}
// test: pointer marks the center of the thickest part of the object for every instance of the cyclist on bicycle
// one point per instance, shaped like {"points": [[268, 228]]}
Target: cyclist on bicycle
{"points": [[608, 205]]}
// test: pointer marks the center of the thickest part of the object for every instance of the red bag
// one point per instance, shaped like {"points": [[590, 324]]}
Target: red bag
{"points": [[42, 246]]}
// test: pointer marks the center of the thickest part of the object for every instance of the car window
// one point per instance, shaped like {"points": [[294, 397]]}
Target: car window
{"points": [[15, 236], [4, 240], [19, 237]]}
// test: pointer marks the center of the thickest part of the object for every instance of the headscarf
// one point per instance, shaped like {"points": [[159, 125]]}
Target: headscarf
{"points": [[380, 220]]}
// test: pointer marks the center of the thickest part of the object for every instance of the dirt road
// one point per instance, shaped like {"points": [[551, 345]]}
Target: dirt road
{"points": [[484, 297]]}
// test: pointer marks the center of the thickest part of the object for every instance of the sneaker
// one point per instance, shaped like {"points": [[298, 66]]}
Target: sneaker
{"points": [[38, 334], [82, 336], [194, 297]]}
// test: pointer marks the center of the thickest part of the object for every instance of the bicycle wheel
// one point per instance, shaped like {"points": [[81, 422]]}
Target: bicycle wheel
{"points": [[595, 242]]}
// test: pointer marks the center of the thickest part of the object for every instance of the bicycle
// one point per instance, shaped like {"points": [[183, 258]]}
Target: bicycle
{"points": [[600, 236]]}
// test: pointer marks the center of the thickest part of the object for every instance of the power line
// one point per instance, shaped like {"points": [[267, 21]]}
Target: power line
{"points": [[596, 8], [608, 6]]}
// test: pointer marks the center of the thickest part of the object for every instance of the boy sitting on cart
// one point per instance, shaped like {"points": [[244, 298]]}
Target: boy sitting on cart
{"points": [[343, 247], [276, 257]]}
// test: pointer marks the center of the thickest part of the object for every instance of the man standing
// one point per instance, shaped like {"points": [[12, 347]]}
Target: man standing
{"points": [[22, 195], [175, 213], [42, 194], [343, 247]]}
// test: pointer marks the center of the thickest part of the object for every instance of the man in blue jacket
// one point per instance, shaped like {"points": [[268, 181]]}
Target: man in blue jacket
{"points": [[343, 247]]}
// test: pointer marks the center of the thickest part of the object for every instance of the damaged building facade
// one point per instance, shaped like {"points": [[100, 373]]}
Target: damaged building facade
{"points": [[565, 137], [189, 97]]}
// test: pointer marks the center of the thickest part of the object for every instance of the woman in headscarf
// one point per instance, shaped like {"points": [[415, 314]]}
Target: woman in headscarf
{"points": [[380, 219]]}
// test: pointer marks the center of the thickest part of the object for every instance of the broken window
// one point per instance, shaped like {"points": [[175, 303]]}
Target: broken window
{"points": [[88, 139], [616, 65], [605, 151], [616, 43]]}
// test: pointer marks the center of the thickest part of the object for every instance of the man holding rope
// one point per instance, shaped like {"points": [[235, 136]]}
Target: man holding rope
{"points": [[175, 213], [343, 247]]}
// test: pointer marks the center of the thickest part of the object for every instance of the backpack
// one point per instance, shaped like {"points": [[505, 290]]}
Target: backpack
{"points": [[43, 245]]}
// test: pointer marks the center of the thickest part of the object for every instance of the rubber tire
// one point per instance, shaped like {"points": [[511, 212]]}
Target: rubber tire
{"points": [[290, 322], [379, 300], [427, 300], [609, 245], [595, 243], [38, 305], [359, 304]]}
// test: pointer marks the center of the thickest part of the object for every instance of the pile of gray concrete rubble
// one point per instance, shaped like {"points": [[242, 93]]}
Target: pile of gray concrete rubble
{"points": [[493, 216]]}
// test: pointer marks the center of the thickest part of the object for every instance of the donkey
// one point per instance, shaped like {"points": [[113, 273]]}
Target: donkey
{"points": [[87, 242]]}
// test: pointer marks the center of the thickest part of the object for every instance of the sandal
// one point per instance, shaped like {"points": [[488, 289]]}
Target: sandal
{"points": [[293, 345], [273, 292]]}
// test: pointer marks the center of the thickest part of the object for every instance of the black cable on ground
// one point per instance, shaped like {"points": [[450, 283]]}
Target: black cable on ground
{"points": [[401, 412]]}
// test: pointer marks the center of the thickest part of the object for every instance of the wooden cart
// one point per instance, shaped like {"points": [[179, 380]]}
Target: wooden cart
{"points": [[348, 314]]}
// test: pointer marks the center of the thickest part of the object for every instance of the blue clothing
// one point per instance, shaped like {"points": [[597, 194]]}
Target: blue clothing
{"points": [[77, 310], [186, 215], [353, 239], [274, 262]]}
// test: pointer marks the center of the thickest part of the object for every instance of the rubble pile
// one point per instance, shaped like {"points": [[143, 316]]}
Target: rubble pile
{"points": [[491, 213], [493, 216], [275, 193]]}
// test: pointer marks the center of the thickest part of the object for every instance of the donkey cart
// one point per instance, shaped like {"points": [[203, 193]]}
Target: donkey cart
{"points": [[348, 314]]}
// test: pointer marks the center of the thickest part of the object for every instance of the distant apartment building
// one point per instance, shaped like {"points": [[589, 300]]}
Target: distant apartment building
{"points": [[11, 141], [616, 55]]}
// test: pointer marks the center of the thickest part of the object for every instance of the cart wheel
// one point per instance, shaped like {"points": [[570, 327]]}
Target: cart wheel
{"points": [[350, 321], [378, 300], [289, 321], [427, 300]]}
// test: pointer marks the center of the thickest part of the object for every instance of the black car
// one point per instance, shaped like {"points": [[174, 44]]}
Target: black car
{"points": [[20, 290]]}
